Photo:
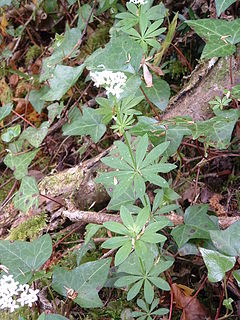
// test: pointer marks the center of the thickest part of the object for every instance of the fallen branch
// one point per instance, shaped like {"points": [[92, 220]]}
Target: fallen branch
{"points": [[100, 218]]}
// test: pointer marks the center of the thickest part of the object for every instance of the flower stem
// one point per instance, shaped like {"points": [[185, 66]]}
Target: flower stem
{"points": [[124, 133]]}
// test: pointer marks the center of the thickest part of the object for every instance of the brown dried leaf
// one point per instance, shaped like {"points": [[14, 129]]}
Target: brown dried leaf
{"points": [[147, 76], [192, 308]]}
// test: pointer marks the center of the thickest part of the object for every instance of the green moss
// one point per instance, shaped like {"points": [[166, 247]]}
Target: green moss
{"points": [[96, 40], [33, 53], [29, 229]]}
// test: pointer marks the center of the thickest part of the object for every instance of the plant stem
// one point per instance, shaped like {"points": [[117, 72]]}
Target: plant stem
{"points": [[124, 133]]}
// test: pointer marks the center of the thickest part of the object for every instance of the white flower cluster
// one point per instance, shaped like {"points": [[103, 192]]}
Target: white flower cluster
{"points": [[13, 295], [114, 82], [141, 2]]}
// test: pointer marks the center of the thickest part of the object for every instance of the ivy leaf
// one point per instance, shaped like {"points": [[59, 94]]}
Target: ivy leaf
{"points": [[23, 258], [87, 280], [51, 317], [227, 241], [62, 49], [220, 35], [35, 136], [197, 224], [35, 98], [64, 77], [222, 5], [217, 131], [120, 54], [19, 163], [11, 133], [5, 110], [27, 195], [89, 123], [159, 93], [217, 264]]}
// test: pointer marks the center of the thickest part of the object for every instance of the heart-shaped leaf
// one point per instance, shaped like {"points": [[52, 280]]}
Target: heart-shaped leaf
{"points": [[19, 162], [217, 264], [24, 258], [86, 280], [27, 195]]}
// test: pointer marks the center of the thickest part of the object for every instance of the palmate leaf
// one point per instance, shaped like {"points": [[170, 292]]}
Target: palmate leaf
{"points": [[222, 5], [89, 123], [87, 280], [24, 258], [144, 273], [220, 35], [134, 173]]}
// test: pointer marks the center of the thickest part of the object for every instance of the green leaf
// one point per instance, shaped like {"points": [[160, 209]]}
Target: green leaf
{"points": [[116, 227], [139, 185], [126, 217], [123, 253], [222, 5], [86, 280], [51, 317], [141, 149], [236, 275], [5, 110], [19, 163], [159, 93], [35, 136], [5, 3], [35, 98], [83, 250], [217, 131], [148, 292], [134, 290], [220, 36], [217, 264], [153, 237], [61, 50], [142, 218], [28, 195], [227, 241], [91, 230], [89, 123], [120, 54], [114, 243], [64, 77], [24, 258], [160, 283], [197, 224], [11, 133], [154, 154]]}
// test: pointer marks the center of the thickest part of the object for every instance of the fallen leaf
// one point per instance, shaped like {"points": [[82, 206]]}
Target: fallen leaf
{"points": [[192, 308]]}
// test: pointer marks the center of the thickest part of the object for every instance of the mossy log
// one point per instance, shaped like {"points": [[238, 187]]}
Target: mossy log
{"points": [[209, 79]]}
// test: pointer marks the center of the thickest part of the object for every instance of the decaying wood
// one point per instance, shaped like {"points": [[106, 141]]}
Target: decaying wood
{"points": [[208, 80]]}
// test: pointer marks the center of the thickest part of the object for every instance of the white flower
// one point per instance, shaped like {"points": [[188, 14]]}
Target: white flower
{"points": [[13, 295], [114, 82], [28, 296], [141, 2]]}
